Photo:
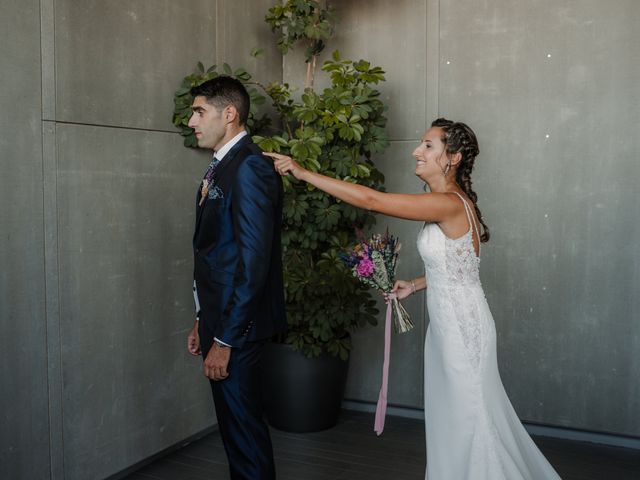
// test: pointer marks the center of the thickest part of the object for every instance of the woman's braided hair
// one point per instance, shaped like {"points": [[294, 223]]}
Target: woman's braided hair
{"points": [[459, 138]]}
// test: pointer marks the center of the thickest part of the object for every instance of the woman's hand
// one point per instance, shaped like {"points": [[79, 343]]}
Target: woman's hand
{"points": [[403, 289], [285, 165]]}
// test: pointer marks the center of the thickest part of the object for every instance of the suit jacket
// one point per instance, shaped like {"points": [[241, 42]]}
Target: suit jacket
{"points": [[237, 250]]}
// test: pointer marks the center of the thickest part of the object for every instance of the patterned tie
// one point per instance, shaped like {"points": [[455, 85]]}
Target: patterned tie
{"points": [[212, 167], [208, 177]]}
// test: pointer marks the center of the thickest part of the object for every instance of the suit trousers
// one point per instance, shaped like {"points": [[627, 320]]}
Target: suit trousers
{"points": [[238, 403]]}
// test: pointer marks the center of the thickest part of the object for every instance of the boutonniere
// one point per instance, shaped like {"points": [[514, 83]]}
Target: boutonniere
{"points": [[204, 191]]}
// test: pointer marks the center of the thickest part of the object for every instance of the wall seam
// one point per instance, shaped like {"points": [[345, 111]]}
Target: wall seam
{"points": [[431, 92], [102, 125], [220, 33], [50, 227]]}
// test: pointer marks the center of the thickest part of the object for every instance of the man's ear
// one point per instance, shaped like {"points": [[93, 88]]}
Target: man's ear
{"points": [[230, 114]]}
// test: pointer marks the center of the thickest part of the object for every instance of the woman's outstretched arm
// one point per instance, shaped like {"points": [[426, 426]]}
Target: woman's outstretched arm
{"points": [[430, 207]]}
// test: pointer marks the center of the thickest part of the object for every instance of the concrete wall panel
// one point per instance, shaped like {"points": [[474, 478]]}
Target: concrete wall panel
{"points": [[406, 365], [551, 89], [119, 62], [125, 225], [391, 35], [24, 429], [242, 28]]}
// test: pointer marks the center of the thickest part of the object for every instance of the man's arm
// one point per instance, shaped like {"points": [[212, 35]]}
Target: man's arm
{"points": [[254, 199], [196, 302], [193, 339]]}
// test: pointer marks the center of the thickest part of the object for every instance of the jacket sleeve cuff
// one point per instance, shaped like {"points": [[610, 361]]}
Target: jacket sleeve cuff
{"points": [[221, 343], [196, 300]]}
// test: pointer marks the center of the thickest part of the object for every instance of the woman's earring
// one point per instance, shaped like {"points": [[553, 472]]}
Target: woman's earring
{"points": [[447, 168]]}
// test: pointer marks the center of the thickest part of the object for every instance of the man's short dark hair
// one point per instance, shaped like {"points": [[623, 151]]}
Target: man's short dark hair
{"points": [[223, 91]]}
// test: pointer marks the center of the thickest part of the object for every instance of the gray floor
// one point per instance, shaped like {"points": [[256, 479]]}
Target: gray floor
{"points": [[352, 451]]}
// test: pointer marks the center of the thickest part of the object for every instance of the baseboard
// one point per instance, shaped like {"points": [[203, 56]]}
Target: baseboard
{"points": [[177, 446], [583, 436], [532, 428], [406, 412]]}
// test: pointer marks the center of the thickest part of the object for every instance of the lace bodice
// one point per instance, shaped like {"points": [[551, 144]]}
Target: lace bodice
{"points": [[449, 262]]}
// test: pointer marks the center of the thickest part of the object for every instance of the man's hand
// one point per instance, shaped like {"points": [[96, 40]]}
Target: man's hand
{"points": [[215, 365], [193, 340]]}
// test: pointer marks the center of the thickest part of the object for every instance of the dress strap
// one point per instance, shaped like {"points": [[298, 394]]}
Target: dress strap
{"points": [[471, 219]]}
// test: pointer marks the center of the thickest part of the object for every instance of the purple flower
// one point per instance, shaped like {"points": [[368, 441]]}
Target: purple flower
{"points": [[365, 267]]}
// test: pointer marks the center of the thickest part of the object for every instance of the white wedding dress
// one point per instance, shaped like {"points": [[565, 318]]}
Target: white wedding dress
{"points": [[473, 432]]}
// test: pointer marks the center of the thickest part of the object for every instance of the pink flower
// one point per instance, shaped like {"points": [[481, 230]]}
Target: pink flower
{"points": [[365, 267]]}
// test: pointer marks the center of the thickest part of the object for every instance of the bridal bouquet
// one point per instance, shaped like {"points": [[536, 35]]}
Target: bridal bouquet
{"points": [[373, 262]]}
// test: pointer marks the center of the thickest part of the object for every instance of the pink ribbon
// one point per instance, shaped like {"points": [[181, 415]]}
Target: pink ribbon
{"points": [[381, 408]]}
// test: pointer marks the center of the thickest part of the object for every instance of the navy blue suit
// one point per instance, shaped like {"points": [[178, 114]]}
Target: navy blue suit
{"points": [[238, 273]]}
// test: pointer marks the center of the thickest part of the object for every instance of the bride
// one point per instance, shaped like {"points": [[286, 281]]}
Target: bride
{"points": [[473, 432]]}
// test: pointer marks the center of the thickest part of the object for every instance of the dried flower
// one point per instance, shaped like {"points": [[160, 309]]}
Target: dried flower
{"points": [[365, 267], [373, 262]]}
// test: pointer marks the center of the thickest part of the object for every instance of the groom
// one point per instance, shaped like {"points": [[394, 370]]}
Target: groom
{"points": [[238, 286]]}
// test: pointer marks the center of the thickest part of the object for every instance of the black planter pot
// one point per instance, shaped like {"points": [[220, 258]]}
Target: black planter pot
{"points": [[302, 394]]}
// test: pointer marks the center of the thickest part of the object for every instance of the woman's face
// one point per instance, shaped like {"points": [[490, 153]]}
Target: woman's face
{"points": [[430, 154]]}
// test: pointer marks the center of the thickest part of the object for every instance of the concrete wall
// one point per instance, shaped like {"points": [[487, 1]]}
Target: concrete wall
{"points": [[551, 90], [96, 211], [97, 217], [24, 433]]}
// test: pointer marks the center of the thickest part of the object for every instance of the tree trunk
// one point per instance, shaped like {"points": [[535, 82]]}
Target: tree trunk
{"points": [[311, 68]]}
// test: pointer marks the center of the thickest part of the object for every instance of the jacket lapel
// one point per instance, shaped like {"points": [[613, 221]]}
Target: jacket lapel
{"points": [[227, 159], [224, 163]]}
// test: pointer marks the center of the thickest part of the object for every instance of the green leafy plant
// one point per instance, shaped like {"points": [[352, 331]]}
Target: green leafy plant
{"points": [[305, 22], [334, 132]]}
